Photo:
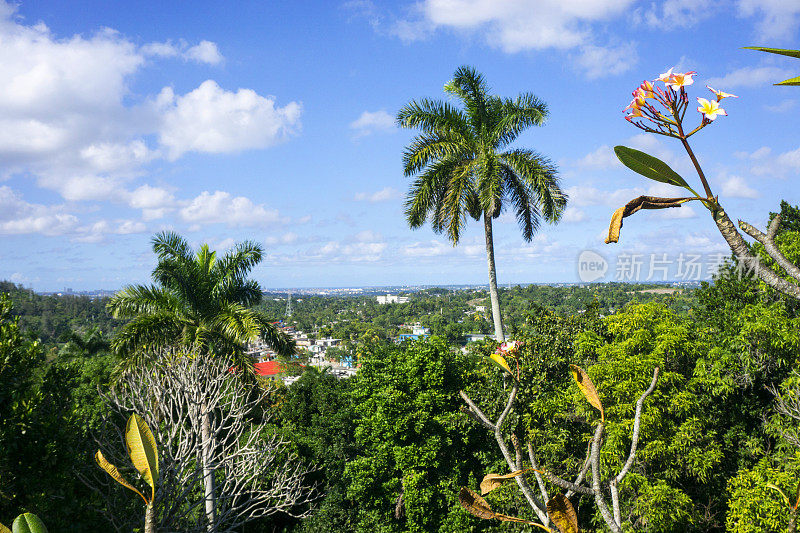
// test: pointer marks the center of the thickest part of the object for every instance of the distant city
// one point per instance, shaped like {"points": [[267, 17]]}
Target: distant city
{"points": [[376, 290]]}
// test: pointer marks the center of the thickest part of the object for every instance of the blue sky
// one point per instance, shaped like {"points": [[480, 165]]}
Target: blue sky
{"points": [[273, 122]]}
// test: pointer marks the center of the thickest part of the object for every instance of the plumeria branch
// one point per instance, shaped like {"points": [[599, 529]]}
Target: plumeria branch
{"points": [[595, 486]]}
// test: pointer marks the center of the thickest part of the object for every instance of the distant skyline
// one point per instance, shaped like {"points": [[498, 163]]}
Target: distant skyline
{"points": [[274, 122]]}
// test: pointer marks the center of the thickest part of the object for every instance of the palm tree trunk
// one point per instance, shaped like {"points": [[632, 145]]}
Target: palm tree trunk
{"points": [[208, 470], [493, 295]]}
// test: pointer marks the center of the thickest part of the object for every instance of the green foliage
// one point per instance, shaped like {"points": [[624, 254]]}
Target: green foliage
{"points": [[755, 507], [414, 449]]}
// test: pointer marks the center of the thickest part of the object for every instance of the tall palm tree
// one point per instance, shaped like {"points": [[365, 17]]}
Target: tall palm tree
{"points": [[201, 303], [464, 166]]}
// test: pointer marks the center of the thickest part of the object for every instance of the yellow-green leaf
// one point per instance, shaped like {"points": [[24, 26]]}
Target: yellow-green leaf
{"points": [[790, 81], [493, 481], [28, 523], [587, 388], [112, 471], [4, 529], [500, 361], [142, 448], [562, 514]]}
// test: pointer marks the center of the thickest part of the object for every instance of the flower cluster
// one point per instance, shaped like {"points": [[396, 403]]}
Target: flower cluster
{"points": [[661, 110], [508, 348]]}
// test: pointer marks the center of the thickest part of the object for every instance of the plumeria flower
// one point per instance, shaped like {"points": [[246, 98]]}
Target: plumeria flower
{"points": [[646, 89], [678, 80], [509, 348], [720, 94], [665, 77], [710, 109]]}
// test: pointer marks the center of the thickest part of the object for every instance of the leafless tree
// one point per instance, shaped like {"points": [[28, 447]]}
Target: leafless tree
{"points": [[254, 472], [589, 481]]}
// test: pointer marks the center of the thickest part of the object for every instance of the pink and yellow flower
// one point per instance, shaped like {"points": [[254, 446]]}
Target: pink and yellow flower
{"points": [[720, 94], [665, 77], [710, 109], [679, 80], [509, 348]]}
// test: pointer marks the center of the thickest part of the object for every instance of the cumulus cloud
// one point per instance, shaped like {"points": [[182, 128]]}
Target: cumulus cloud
{"points": [[765, 164], [213, 120], [205, 52], [520, 25], [372, 122], [356, 252], [383, 195], [221, 207], [778, 19], [599, 61], [670, 14], [602, 158], [750, 77], [20, 217], [66, 120], [782, 107], [427, 249], [736, 187]]}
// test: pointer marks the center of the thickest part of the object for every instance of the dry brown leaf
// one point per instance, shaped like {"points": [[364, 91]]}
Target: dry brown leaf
{"points": [[474, 504], [493, 481], [587, 388], [562, 514], [642, 202]]}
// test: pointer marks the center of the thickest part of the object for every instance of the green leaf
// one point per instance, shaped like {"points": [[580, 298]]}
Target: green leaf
{"points": [[649, 166], [781, 51], [28, 523]]}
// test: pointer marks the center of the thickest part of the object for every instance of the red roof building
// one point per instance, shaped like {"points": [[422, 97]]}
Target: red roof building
{"points": [[268, 368]]}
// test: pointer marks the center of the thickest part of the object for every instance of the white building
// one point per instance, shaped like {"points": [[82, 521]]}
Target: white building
{"points": [[392, 299]]}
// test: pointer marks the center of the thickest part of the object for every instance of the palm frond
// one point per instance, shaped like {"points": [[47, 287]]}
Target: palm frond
{"points": [[427, 148], [168, 244], [148, 332], [135, 300], [516, 116], [275, 338], [525, 208], [541, 176]]}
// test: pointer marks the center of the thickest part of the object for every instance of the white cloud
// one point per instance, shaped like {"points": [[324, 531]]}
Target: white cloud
{"points": [[205, 52], [765, 164], [516, 25], [599, 61], [584, 196], [383, 195], [779, 19], [427, 249], [520, 25], [222, 208], [213, 120], [750, 77], [783, 106], [736, 187], [20, 217], [372, 122], [98, 231], [67, 121], [602, 158], [669, 14], [573, 214], [356, 252]]}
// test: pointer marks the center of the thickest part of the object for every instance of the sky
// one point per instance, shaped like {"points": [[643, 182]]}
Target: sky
{"points": [[274, 122]]}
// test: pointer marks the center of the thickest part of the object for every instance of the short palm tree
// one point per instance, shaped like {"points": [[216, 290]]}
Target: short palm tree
{"points": [[199, 301], [464, 166], [203, 304]]}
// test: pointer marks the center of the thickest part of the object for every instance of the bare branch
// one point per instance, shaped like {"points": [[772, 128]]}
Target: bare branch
{"points": [[772, 250]]}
